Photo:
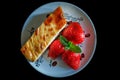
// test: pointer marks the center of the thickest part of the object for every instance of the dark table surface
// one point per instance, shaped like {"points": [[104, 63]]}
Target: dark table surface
{"points": [[19, 67]]}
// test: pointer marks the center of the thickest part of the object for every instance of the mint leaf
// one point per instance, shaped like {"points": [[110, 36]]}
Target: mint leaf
{"points": [[74, 48], [69, 45], [63, 40]]}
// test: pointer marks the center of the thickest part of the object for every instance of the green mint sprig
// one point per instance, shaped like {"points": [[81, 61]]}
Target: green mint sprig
{"points": [[69, 45]]}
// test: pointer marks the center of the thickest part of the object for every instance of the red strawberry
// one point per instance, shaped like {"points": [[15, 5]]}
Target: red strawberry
{"points": [[56, 49], [71, 59], [74, 33]]}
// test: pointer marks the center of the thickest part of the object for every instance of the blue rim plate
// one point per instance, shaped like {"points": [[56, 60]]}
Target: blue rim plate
{"points": [[44, 64]]}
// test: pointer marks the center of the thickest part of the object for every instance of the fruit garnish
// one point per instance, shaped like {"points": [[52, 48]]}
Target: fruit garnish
{"points": [[69, 45], [56, 49], [74, 33], [71, 59]]}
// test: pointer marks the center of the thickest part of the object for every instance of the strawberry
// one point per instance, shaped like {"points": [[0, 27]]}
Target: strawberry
{"points": [[74, 33], [56, 49], [71, 59]]}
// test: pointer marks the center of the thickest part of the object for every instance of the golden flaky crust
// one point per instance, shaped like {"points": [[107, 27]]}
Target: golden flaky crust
{"points": [[44, 35]]}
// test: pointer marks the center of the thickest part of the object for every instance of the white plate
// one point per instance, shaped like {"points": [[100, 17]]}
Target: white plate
{"points": [[71, 12]]}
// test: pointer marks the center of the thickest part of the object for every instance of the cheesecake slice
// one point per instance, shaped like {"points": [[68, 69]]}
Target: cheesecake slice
{"points": [[44, 35]]}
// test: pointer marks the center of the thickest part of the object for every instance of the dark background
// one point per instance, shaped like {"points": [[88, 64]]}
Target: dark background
{"points": [[18, 67]]}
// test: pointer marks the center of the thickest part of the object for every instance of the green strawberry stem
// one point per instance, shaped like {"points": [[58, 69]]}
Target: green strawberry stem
{"points": [[69, 45]]}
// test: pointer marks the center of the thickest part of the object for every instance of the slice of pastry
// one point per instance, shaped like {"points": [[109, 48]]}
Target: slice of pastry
{"points": [[44, 35]]}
